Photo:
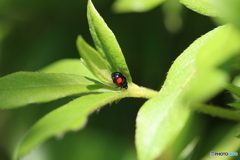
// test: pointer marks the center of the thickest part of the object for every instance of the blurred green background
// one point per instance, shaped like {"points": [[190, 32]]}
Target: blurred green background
{"points": [[35, 33]]}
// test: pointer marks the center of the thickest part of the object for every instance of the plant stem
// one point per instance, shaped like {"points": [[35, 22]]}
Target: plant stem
{"points": [[217, 111], [141, 92]]}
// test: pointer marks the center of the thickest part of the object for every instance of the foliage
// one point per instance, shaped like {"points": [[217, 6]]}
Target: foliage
{"points": [[201, 72]]}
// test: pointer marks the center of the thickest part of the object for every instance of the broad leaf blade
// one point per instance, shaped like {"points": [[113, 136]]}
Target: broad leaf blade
{"points": [[74, 66], [213, 52], [22, 88], [93, 61], [159, 121], [195, 76], [106, 42], [135, 5], [70, 117]]}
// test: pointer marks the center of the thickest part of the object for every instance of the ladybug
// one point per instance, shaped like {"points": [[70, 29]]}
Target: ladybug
{"points": [[119, 79]]}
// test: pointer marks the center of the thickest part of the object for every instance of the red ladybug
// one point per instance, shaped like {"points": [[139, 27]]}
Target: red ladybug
{"points": [[119, 79]]}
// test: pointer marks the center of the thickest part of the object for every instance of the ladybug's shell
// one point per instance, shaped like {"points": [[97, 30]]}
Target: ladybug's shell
{"points": [[119, 79]]}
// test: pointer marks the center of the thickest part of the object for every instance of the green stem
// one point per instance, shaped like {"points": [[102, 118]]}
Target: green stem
{"points": [[218, 112], [141, 92]]}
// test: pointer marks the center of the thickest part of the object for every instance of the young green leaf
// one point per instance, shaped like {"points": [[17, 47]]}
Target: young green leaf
{"points": [[123, 6], [235, 105], [106, 43], [22, 88], [70, 117], [74, 66], [195, 76], [233, 89], [203, 7], [94, 61]]}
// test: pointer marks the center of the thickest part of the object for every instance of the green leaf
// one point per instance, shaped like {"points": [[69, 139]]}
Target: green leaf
{"points": [[205, 7], [235, 105], [74, 66], [70, 117], [212, 51], [123, 6], [230, 9], [93, 61], [159, 121], [22, 88], [233, 89], [106, 43], [195, 76]]}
